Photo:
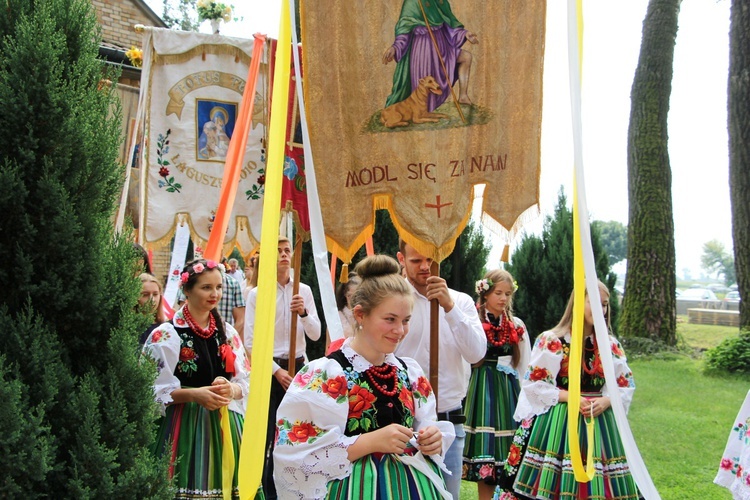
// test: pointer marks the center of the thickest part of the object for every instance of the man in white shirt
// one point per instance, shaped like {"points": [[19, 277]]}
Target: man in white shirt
{"points": [[462, 343], [235, 272], [308, 324]]}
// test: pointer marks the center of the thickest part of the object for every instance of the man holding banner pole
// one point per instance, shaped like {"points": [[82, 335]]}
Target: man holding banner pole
{"points": [[299, 308], [461, 343]]}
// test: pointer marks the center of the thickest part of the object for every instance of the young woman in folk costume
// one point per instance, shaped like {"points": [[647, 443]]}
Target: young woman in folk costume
{"points": [[495, 383], [149, 303], [361, 423], [544, 469], [202, 378]]}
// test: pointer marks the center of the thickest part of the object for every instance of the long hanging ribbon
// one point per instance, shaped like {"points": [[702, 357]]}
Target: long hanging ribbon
{"points": [[177, 262], [574, 372], [317, 233], [229, 182], [235, 156], [254, 436], [582, 475], [635, 461], [227, 454]]}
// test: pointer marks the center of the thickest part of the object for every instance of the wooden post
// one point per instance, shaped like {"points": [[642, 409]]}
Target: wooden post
{"points": [[296, 265], [434, 334]]}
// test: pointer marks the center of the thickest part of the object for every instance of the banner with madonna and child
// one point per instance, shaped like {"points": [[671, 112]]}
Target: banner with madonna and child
{"points": [[194, 83]]}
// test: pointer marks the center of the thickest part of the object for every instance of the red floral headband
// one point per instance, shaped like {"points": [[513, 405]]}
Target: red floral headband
{"points": [[199, 268]]}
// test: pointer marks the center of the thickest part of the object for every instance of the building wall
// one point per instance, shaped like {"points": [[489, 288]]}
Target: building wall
{"points": [[118, 17]]}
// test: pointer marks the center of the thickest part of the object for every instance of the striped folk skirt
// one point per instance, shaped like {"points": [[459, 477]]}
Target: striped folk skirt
{"points": [[546, 470], [383, 477], [490, 404], [192, 437]]}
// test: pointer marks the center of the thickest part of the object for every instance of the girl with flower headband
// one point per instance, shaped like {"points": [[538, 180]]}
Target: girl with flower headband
{"points": [[362, 423], [494, 384], [202, 378], [543, 470]]}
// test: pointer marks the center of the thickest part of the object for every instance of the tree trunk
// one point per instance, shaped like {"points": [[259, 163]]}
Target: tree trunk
{"points": [[649, 305], [739, 148]]}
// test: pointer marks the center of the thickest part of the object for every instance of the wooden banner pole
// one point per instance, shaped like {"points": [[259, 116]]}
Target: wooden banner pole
{"points": [[296, 266], [434, 334]]}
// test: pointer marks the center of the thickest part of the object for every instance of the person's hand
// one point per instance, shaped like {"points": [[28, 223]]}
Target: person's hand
{"points": [[223, 387], [208, 398], [472, 38], [298, 305], [430, 440], [437, 288], [282, 376], [391, 439], [597, 406], [585, 407], [389, 54]]}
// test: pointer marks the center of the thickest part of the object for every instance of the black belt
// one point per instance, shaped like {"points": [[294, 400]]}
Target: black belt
{"points": [[454, 417], [284, 362]]}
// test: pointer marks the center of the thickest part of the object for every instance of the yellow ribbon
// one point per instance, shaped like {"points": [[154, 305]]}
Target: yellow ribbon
{"points": [[574, 364], [581, 474], [254, 436], [227, 454]]}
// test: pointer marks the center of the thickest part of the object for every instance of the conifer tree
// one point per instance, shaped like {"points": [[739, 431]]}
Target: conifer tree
{"points": [[543, 268], [77, 412]]}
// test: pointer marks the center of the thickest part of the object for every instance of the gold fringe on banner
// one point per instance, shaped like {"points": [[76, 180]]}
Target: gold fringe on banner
{"points": [[202, 50]]}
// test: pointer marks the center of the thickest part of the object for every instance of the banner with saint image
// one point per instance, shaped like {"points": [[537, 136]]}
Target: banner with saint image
{"points": [[412, 103]]}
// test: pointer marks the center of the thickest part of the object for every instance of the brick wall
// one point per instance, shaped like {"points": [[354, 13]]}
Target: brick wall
{"points": [[117, 18]]}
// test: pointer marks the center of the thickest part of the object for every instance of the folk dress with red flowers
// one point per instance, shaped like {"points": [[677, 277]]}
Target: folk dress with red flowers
{"points": [[189, 433], [491, 400], [545, 469], [328, 405], [734, 468]]}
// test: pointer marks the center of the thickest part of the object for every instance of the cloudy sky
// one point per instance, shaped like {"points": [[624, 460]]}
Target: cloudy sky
{"points": [[697, 119]]}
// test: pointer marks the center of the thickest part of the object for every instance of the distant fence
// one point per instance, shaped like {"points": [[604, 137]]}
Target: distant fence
{"points": [[713, 317]]}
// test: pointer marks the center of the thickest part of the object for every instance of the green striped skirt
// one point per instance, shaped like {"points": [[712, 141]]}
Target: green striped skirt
{"points": [[546, 470], [382, 477], [191, 435], [490, 404]]}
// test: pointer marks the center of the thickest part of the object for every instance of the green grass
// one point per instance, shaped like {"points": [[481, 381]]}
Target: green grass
{"points": [[681, 418], [703, 337]]}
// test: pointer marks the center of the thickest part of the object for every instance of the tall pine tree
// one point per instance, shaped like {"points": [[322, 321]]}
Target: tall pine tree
{"points": [[543, 268], [77, 412]]}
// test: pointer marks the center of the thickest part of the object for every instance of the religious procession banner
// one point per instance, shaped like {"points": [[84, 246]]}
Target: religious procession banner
{"points": [[413, 103], [294, 182], [194, 87]]}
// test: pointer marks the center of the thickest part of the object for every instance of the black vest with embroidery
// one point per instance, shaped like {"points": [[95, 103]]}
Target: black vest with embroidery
{"points": [[370, 409]]}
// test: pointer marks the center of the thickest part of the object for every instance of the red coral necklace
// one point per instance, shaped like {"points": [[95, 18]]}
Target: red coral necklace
{"points": [[201, 332], [504, 333], [596, 362], [385, 373]]}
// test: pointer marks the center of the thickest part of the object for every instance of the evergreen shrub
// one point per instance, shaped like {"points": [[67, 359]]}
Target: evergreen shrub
{"points": [[732, 355]]}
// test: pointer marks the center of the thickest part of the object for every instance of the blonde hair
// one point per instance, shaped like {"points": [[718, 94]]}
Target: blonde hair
{"points": [[565, 325], [380, 278], [497, 276], [500, 276], [159, 316]]}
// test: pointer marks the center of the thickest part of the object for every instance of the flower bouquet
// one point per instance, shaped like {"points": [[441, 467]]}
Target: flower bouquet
{"points": [[215, 12]]}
